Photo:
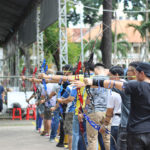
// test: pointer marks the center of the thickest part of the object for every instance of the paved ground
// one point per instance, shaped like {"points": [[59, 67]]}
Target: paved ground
{"points": [[21, 135]]}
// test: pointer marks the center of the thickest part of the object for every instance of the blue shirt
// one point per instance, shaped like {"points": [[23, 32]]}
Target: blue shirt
{"points": [[70, 91], [60, 93], [63, 88], [1, 91]]}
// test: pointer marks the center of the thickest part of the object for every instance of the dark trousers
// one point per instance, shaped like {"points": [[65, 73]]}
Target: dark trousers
{"points": [[62, 133], [122, 139], [1, 105], [139, 141], [113, 140]]}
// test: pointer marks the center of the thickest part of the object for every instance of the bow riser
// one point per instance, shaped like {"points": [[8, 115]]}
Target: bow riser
{"points": [[34, 85]]}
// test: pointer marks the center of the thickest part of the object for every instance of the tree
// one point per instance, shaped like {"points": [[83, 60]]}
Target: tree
{"points": [[136, 5], [91, 16], [122, 45], [141, 28], [144, 28], [106, 44], [51, 47], [74, 51], [93, 46], [51, 44]]}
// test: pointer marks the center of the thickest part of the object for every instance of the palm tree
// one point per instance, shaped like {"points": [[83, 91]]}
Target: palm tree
{"points": [[123, 46], [141, 28]]}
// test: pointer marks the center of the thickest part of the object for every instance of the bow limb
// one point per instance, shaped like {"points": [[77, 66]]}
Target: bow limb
{"points": [[87, 75], [44, 69], [79, 94], [23, 83], [77, 78], [34, 85]]}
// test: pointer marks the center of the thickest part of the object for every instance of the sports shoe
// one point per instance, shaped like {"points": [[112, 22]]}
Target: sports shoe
{"points": [[36, 131], [66, 147], [52, 140], [60, 145], [47, 135], [39, 130], [43, 133]]}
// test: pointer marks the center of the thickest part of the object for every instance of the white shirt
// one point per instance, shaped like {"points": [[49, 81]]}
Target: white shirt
{"points": [[49, 90], [115, 103]]}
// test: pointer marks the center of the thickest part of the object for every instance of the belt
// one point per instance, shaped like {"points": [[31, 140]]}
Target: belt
{"points": [[124, 129], [117, 114]]}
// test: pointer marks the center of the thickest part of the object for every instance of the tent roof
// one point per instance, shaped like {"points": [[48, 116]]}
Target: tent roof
{"points": [[12, 14]]}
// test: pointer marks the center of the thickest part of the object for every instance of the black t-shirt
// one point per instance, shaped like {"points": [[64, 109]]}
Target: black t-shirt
{"points": [[139, 117], [125, 107]]}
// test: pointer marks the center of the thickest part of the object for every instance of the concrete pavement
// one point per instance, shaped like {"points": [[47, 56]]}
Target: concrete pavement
{"points": [[21, 135]]}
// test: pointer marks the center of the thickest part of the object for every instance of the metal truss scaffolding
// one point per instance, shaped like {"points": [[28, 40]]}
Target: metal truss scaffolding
{"points": [[40, 52], [17, 62], [63, 43]]}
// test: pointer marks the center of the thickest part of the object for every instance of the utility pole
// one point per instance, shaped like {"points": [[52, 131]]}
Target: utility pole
{"points": [[17, 62], [115, 40], [34, 55], [81, 32], [147, 34], [40, 52]]}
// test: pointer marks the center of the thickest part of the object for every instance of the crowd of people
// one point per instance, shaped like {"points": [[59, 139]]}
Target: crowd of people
{"points": [[109, 108]]}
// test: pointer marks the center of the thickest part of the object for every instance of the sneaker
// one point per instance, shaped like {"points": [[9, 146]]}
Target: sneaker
{"points": [[47, 135], [52, 140], [39, 130], [36, 131], [43, 133], [60, 145], [66, 147]]}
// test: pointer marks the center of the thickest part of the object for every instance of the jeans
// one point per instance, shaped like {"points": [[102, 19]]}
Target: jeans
{"points": [[54, 125], [114, 133], [77, 139], [100, 140], [139, 141], [38, 120], [81, 143], [75, 133], [122, 139]]}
